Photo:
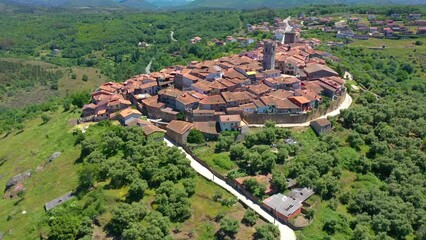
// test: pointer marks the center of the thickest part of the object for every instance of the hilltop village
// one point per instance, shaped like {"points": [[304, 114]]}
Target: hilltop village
{"points": [[279, 80]]}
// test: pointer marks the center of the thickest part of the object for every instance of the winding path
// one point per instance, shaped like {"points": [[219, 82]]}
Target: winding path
{"points": [[172, 36], [148, 67], [345, 105], [286, 233]]}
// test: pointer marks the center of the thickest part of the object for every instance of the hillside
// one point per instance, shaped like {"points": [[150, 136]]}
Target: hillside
{"points": [[188, 4], [140, 4], [248, 4]]}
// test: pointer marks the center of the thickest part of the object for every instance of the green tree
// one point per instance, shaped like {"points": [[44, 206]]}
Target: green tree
{"points": [[189, 185], [267, 232], [123, 215], [85, 77], [279, 181], [228, 227], [282, 155], [250, 217], [195, 137], [137, 190], [237, 152], [254, 187]]}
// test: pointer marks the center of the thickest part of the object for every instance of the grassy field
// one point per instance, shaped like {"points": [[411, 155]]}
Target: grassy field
{"points": [[66, 85], [207, 153], [29, 150], [401, 47]]}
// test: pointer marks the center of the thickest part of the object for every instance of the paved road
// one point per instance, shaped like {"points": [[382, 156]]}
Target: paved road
{"points": [[345, 105], [286, 233]]}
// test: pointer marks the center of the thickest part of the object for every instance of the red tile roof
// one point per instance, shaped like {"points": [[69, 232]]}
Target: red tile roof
{"points": [[180, 127], [230, 118]]}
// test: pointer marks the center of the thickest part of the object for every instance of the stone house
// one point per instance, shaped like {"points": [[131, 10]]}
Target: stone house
{"points": [[320, 126], [178, 131]]}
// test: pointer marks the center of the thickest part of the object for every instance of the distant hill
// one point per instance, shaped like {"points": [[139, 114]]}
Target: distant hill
{"points": [[182, 4], [140, 4], [247, 4]]}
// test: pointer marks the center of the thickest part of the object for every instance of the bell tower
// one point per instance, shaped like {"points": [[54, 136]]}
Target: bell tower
{"points": [[268, 56]]}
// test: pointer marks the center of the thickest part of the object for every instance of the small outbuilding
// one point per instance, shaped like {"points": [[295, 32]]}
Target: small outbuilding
{"points": [[58, 201], [321, 125]]}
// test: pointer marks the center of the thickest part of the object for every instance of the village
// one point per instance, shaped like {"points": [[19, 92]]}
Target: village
{"points": [[363, 27], [284, 80]]}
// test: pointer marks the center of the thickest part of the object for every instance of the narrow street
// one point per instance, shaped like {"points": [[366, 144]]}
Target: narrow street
{"points": [[286, 233]]}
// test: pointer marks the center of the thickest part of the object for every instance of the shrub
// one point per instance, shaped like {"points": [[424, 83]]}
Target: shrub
{"points": [[85, 78], [222, 160], [250, 218], [195, 137]]}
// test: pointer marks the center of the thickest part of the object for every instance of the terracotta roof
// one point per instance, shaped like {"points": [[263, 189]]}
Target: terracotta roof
{"points": [[180, 127], [307, 93], [128, 111], [322, 122], [290, 80], [199, 111], [314, 86], [234, 110], [151, 128], [232, 73], [229, 97], [226, 83], [268, 100], [201, 85], [217, 85], [206, 127], [299, 99], [186, 99], [286, 104], [248, 105], [315, 67], [281, 94], [259, 89], [153, 102], [191, 77], [214, 99], [171, 92], [258, 103], [147, 85], [230, 118], [242, 96]]}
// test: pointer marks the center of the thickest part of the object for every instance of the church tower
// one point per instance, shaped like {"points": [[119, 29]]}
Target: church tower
{"points": [[269, 56]]}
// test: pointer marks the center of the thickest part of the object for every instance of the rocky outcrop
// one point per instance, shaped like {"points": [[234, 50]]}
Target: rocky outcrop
{"points": [[17, 179], [54, 156]]}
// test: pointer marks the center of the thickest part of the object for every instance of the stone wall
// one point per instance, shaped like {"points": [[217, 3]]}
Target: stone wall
{"points": [[256, 118]]}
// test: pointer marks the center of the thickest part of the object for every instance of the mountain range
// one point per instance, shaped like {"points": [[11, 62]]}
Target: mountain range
{"points": [[179, 4]]}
